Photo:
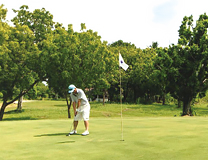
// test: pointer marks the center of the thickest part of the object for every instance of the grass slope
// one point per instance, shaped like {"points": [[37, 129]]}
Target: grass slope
{"points": [[58, 110]]}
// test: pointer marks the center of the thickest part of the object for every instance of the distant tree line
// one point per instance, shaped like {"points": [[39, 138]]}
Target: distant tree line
{"points": [[36, 49]]}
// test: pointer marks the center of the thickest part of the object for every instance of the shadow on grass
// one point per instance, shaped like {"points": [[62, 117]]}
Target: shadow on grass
{"points": [[19, 119], [14, 111], [60, 105], [54, 134], [66, 142], [155, 106]]}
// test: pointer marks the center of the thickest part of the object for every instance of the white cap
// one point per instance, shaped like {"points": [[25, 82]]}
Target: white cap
{"points": [[71, 88]]}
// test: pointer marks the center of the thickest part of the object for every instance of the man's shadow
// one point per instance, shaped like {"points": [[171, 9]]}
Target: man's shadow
{"points": [[57, 134], [49, 135]]}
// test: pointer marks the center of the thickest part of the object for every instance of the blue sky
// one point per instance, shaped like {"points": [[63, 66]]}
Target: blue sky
{"points": [[137, 21], [164, 12]]}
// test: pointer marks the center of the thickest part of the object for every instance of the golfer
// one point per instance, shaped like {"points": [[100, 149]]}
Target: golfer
{"points": [[81, 108]]}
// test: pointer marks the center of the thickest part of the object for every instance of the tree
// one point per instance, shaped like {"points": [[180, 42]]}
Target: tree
{"points": [[126, 50], [93, 61], [159, 75], [189, 63], [106, 70], [41, 23], [60, 53], [79, 58], [22, 65], [16, 62]]}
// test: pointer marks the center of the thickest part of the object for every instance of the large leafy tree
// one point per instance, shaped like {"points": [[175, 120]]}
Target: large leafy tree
{"points": [[22, 65], [59, 52], [189, 63], [126, 50], [94, 64], [18, 53], [107, 70], [79, 58], [162, 65], [141, 76], [41, 23]]}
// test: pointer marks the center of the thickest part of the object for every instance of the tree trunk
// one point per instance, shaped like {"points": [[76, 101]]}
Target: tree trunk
{"points": [[19, 105], [187, 107], [68, 105], [163, 99], [56, 96], [135, 94], [2, 110], [179, 103], [5, 98], [103, 97]]}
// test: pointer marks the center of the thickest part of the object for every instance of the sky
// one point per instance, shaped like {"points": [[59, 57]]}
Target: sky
{"points": [[139, 22]]}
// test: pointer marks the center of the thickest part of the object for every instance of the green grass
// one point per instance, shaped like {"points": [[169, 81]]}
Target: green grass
{"points": [[150, 132], [37, 110], [176, 138], [58, 110]]}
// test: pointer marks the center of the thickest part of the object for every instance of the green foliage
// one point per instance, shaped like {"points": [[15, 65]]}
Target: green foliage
{"points": [[3, 13], [58, 53], [39, 21], [39, 91], [21, 64], [189, 66], [35, 49], [78, 58], [17, 57]]}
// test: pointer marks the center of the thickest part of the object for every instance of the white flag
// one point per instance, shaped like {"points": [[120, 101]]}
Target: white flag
{"points": [[122, 63]]}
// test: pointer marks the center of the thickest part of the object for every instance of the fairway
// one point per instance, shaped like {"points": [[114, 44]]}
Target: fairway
{"points": [[144, 138]]}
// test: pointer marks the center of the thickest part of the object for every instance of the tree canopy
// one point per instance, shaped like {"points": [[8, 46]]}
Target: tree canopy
{"points": [[36, 48]]}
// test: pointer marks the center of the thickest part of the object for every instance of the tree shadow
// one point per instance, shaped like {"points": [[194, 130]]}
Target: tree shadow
{"points": [[60, 105], [14, 111], [19, 119], [153, 106]]}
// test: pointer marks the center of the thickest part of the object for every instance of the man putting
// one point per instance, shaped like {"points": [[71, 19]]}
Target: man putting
{"points": [[81, 108]]}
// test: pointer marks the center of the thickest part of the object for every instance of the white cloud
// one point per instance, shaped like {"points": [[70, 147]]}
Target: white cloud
{"points": [[138, 22]]}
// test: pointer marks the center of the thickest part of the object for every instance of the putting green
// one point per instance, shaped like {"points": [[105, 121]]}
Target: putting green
{"points": [[144, 138]]}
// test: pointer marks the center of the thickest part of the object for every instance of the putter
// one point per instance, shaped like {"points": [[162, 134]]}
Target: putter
{"points": [[70, 128]]}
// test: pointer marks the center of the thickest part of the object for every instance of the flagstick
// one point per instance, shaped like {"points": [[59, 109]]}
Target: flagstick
{"points": [[124, 66], [121, 107]]}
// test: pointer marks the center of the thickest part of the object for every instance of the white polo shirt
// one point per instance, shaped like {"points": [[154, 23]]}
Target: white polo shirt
{"points": [[80, 95]]}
